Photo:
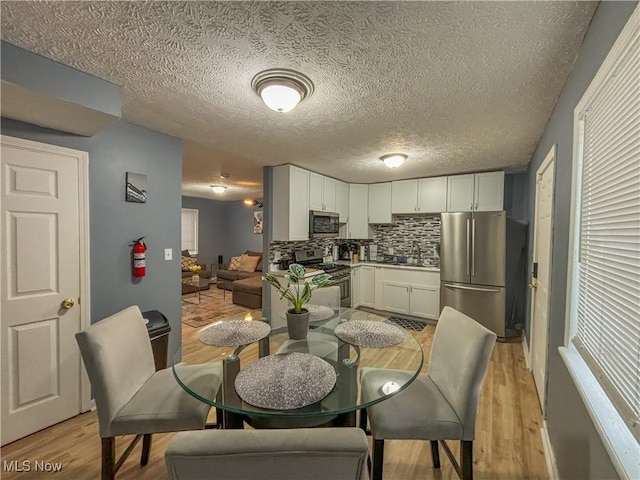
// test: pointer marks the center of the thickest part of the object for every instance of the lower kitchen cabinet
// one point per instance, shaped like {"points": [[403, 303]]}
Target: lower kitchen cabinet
{"points": [[411, 292], [355, 287], [367, 286]]}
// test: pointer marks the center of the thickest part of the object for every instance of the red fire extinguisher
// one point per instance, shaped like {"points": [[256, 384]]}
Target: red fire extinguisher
{"points": [[139, 258]]}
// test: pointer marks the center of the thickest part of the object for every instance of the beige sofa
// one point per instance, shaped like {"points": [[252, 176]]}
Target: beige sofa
{"points": [[226, 277]]}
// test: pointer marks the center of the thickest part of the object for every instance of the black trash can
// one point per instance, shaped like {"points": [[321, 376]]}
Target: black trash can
{"points": [[158, 328]]}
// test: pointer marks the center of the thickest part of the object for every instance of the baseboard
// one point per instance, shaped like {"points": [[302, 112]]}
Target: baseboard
{"points": [[552, 466], [527, 353]]}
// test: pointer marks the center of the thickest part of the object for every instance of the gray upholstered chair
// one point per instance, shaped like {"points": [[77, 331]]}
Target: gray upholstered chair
{"points": [[131, 397], [297, 454], [439, 405], [328, 296]]}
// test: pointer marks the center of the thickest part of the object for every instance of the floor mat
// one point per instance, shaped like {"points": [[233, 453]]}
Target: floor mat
{"points": [[407, 323]]}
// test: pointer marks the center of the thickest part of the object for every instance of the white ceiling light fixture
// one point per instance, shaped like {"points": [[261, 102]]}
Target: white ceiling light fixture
{"points": [[393, 160], [282, 89], [218, 188]]}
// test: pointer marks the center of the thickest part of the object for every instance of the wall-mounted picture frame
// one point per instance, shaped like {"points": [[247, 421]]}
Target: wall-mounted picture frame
{"points": [[136, 188], [257, 221]]}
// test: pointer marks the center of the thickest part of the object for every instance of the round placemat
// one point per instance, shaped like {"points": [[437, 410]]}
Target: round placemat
{"points": [[285, 381], [319, 312], [369, 333], [234, 333]]}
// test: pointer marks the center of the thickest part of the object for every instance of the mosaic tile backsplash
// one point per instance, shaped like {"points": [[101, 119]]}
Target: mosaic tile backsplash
{"points": [[421, 230]]}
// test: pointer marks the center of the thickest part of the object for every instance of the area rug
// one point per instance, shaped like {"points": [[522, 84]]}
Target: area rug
{"points": [[212, 307], [407, 323]]}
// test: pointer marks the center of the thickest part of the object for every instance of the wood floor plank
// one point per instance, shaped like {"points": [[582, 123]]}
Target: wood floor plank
{"points": [[507, 447]]}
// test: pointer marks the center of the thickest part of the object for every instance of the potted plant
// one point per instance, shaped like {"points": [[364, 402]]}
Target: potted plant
{"points": [[298, 291]]}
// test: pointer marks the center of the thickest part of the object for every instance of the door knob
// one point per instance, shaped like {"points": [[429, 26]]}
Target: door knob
{"points": [[67, 303], [533, 285]]}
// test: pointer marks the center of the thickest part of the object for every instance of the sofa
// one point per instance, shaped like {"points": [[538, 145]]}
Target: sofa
{"points": [[186, 260], [226, 277]]}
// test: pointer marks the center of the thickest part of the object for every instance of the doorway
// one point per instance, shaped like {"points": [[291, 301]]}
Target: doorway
{"points": [[543, 233], [44, 283]]}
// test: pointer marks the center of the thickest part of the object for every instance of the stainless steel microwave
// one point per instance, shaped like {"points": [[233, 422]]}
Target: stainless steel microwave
{"points": [[323, 224]]}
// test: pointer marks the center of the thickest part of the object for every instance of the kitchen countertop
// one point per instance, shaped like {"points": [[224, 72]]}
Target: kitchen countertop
{"points": [[389, 265], [310, 272]]}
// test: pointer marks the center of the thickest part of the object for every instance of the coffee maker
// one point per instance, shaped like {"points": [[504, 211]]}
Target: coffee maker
{"points": [[343, 251]]}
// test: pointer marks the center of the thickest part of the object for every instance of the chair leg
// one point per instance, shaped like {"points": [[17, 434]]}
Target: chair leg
{"points": [[146, 449], [108, 458], [378, 458], [435, 454], [466, 450], [363, 419]]}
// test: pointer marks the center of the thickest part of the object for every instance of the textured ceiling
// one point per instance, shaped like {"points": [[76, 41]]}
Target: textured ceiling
{"points": [[458, 86]]}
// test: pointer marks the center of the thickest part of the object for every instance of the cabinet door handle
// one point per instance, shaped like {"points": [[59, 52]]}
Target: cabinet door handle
{"points": [[476, 206]]}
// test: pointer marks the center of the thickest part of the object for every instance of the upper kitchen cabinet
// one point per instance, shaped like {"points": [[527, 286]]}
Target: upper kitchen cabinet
{"points": [[322, 193], [380, 203], [432, 195], [404, 196], [358, 226], [342, 201], [476, 192], [424, 195], [290, 203]]}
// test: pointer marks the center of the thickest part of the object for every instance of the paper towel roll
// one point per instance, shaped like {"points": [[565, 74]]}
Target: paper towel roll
{"points": [[362, 253]]}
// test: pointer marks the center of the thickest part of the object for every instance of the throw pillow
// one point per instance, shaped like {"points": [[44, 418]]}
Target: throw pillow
{"points": [[256, 254], [248, 263], [188, 262], [234, 263]]}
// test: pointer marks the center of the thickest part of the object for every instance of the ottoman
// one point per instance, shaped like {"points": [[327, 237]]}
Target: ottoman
{"points": [[248, 292]]}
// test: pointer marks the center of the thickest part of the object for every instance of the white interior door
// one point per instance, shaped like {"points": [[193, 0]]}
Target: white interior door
{"points": [[40, 245], [540, 284]]}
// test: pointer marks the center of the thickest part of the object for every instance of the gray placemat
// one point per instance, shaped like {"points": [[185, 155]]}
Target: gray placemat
{"points": [[369, 333], [234, 333], [285, 381]]}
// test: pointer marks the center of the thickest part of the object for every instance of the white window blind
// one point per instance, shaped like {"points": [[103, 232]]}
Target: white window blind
{"points": [[606, 304], [190, 230]]}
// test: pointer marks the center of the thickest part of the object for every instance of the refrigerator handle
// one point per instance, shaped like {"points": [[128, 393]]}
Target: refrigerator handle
{"points": [[468, 248], [475, 289], [473, 247]]}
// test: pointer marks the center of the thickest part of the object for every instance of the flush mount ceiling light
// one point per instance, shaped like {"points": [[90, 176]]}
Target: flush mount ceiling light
{"points": [[218, 188], [393, 160], [282, 89]]}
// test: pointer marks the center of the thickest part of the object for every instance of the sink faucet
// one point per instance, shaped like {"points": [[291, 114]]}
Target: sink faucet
{"points": [[417, 247]]}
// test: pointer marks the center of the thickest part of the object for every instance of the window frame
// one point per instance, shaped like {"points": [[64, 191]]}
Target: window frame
{"points": [[195, 212], [618, 440]]}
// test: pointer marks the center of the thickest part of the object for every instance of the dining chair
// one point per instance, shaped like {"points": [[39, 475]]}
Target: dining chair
{"points": [[131, 396], [328, 296], [439, 405], [296, 454]]}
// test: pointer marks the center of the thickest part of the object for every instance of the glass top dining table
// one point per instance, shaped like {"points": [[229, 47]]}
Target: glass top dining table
{"points": [[348, 361]]}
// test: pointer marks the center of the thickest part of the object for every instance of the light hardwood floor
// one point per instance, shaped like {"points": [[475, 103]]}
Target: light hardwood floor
{"points": [[507, 447]]}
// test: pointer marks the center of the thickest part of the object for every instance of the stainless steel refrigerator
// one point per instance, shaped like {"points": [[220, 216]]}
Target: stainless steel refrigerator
{"points": [[482, 268]]}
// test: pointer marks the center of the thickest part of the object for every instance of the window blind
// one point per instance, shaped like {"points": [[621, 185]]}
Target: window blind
{"points": [[606, 307], [190, 230]]}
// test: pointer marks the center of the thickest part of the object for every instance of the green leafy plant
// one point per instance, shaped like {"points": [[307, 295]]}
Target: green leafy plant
{"points": [[296, 292]]}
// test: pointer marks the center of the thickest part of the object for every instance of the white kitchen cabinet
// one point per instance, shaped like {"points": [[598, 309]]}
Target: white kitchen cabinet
{"points": [[411, 292], [489, 191], [380, 202], [322, 193], [355, 287], [424, 195], [475, 192], [395, 297], [404, 196], [358, 225], [342, 201], [432, 195], [290, 203], [367, 286]]}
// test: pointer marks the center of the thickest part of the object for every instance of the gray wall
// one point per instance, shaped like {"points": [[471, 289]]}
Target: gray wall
{"points": [[212, 228], [240, 229], [516, 186], [578, 449], [114, 223]]}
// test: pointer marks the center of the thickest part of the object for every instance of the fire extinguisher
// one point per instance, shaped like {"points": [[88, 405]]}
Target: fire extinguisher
{"points": [[139, 258]]}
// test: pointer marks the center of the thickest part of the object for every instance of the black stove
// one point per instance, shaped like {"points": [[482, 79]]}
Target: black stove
{"points": [[313, 259]]}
